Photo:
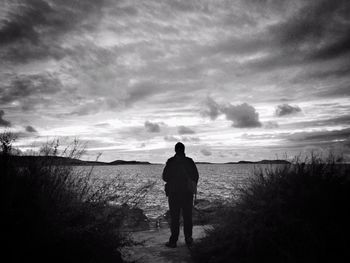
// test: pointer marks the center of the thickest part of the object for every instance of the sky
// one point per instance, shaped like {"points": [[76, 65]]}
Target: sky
{"points": [[232, 80]]}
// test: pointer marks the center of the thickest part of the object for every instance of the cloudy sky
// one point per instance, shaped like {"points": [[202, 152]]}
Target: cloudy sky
{"points": [[233, 80]]}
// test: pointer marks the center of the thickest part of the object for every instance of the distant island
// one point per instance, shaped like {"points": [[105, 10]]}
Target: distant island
{"points": [[251, 162], [262, 162], [120, 162], [57, 160]]}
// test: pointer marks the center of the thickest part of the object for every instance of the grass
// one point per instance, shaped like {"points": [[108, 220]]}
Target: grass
{"points": [[295, 213], [52, 213]]}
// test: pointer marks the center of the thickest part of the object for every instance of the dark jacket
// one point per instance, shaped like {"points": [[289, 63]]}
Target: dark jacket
{"points": [[177, 171]]}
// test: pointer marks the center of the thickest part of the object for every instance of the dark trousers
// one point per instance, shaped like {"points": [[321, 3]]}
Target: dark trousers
{"points": [[178, 202]]}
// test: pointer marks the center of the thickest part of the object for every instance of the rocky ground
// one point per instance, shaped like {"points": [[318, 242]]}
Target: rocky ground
{"points": [[151, 235], [152, 249]]}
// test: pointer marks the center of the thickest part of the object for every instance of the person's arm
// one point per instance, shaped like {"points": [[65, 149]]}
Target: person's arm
{"points": [[194, 174], [166, 172]]}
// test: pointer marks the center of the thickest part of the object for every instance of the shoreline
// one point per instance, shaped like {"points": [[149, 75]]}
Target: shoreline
{"points": [[205, 212]]}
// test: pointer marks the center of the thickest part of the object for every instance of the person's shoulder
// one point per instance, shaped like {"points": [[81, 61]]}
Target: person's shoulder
{"points": [[171, 159], [189, 159]]}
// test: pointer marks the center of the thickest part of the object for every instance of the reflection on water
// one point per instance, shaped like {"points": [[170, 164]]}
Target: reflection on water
{"points": [[216, 181]]}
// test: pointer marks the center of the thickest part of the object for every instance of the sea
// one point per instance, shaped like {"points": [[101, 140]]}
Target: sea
{"points": [[216, 182]]}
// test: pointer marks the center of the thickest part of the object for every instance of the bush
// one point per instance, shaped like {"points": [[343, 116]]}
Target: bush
{"points": [[294, 213], [52, 214]]}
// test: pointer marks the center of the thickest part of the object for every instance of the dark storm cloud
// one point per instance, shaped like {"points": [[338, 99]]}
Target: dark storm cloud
{"points": [[300, 33], [242, 115], [21, 24], [56, 17], [185, 130], [286, 109], [29, 89], [30, 129], [318, 30], [30, 30], [3, 122], [152, 127]]}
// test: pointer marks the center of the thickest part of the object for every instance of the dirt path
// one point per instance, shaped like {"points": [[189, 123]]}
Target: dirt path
{"points": [[153, 249]]}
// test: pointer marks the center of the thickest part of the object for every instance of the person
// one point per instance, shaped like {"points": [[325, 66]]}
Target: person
{"points": [[180, 174]]}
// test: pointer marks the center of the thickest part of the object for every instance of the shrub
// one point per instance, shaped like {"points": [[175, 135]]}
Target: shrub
{"points": [[293, 213], [52, 214]]}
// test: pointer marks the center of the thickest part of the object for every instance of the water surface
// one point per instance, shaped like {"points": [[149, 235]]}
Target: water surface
{"points": [[216, 181]]}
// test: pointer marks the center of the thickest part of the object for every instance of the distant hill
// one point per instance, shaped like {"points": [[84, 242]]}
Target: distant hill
{"points": [[120, 162], [251, 162], [262, 162], [56, 160]]}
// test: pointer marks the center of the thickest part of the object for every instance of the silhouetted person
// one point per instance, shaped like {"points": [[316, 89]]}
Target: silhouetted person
{"points": [[178, 172]]}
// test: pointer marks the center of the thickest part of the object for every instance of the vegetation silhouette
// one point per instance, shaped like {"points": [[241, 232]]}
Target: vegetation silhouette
{"points": [[294, 213], [55, 213]]}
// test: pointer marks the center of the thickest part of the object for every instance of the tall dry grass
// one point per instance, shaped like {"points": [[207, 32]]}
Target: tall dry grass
{"points": [[56, 213], [294, 213]]}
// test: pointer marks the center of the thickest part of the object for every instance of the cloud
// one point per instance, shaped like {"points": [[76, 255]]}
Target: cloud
{"points": [[21, 25], [140, 91], [102, 125], [30, 90], [33, 30], [326, 34], [190, 139], [286, 109], [152, 127], [212, 108], [170, 138], [286, 41], [3, 122], [206, 152], [242, 116], [321, 136], [322, 74], [30, 129], [113, 59], [270, 125], [342, 121], [185, 130]]}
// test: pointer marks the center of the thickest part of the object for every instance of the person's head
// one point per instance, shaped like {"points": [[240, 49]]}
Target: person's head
{"points": [[180, 148]]}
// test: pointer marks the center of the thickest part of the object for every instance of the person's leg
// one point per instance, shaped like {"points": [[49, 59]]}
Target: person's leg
{"points": [[187, 216], [174, 207]]}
